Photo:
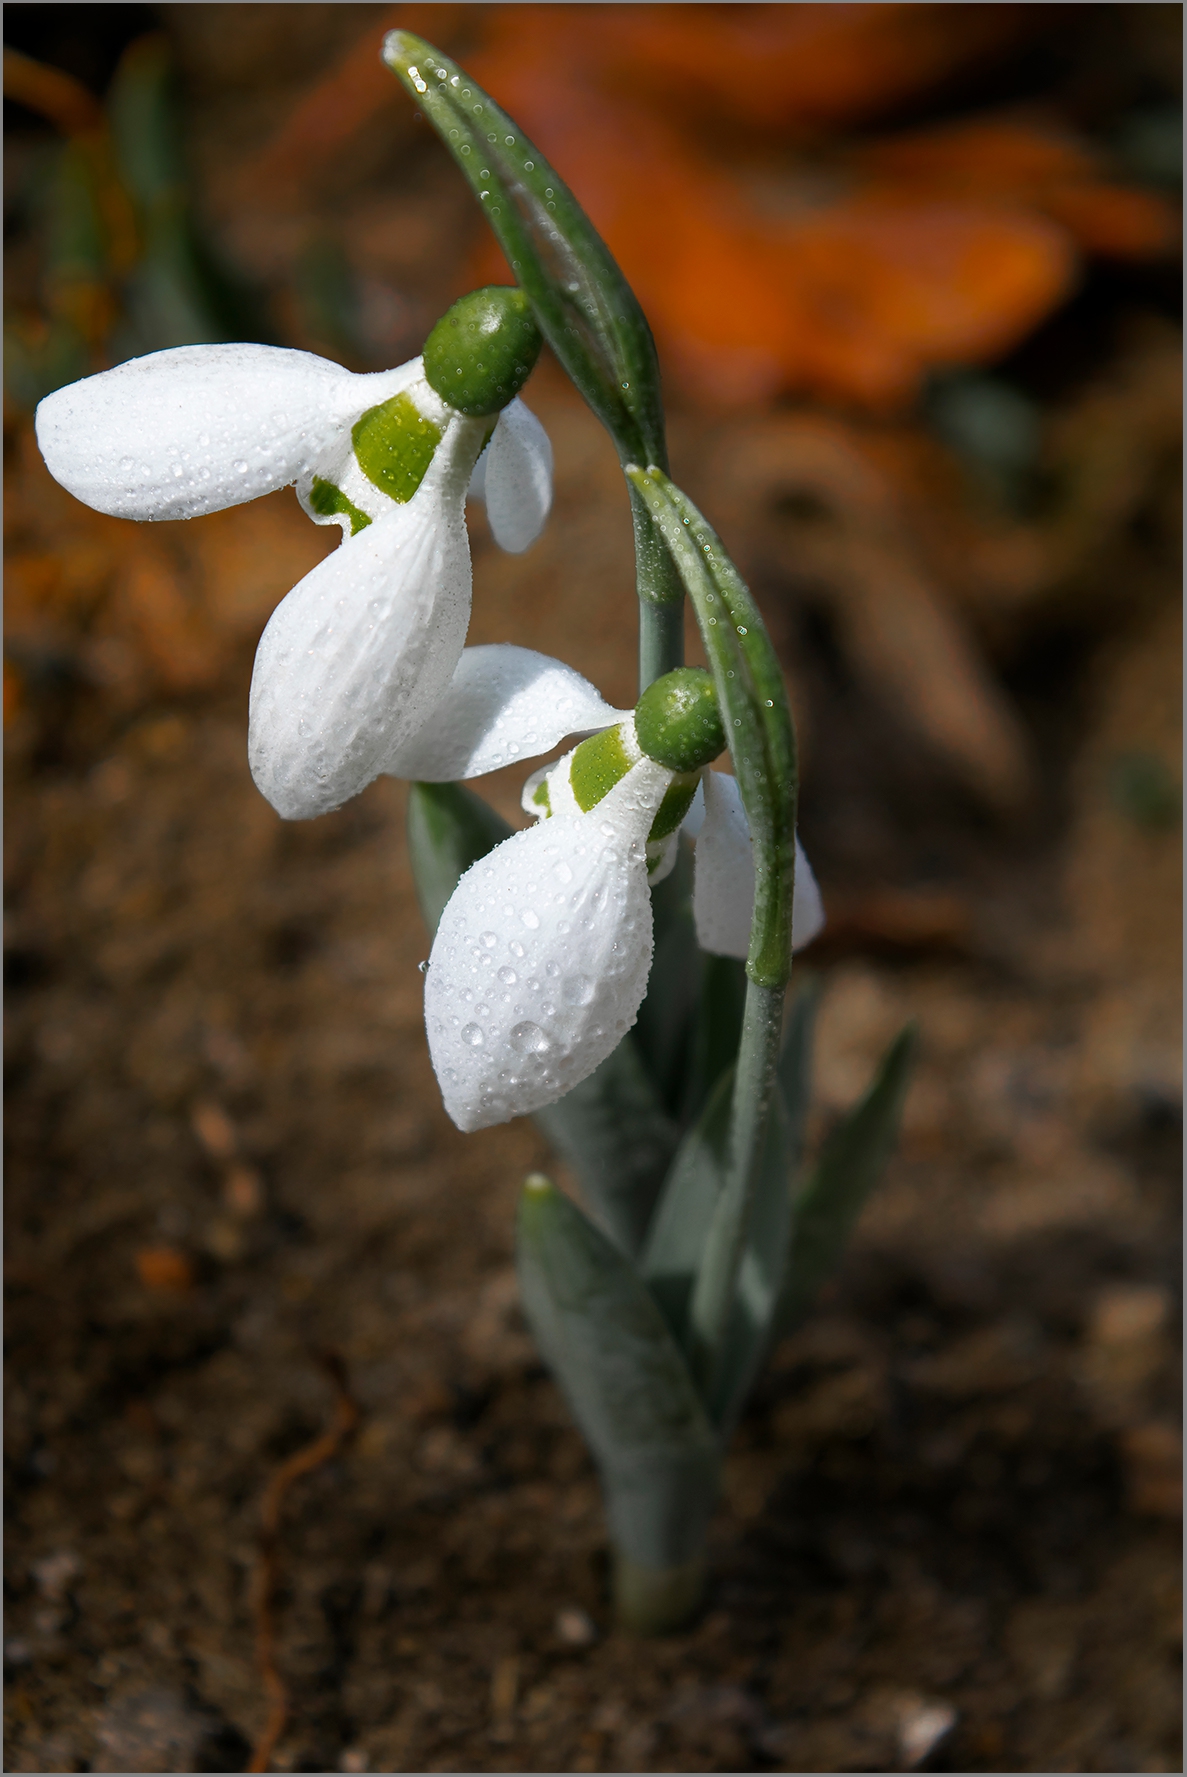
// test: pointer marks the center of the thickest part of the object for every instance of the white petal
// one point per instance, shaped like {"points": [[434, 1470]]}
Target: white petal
{"points": [[197, 428], [517, 478], [354, 659], [542, 956], [661, 858], [477, 487], [723, 883], [807, 908], [503, 704]]}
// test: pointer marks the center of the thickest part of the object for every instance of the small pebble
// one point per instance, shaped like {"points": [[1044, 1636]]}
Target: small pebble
{"points": [[575, 1628]]}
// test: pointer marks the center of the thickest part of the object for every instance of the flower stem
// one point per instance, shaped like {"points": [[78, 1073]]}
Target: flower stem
{"points": [[661, 598], [754, 1082]]}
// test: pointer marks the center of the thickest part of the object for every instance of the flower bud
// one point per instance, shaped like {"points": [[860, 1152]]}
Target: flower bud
{"points": [[677, 722], [480, 354]]}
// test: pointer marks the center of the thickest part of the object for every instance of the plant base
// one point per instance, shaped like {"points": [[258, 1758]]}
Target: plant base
{"points": [[656, 1600]]}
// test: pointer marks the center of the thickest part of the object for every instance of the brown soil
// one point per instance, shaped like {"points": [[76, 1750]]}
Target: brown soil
{"points": [[955, 1488], [950, 1530]]}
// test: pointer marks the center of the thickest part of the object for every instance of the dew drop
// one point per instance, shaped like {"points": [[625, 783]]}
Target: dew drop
{"points": [[515, 947], [241, 467], [530, 919], [562, 872], [577, 990], [473, 1035], [528, 1038], [489, 940], [552, 970], [508, 977], [547, 1007]]}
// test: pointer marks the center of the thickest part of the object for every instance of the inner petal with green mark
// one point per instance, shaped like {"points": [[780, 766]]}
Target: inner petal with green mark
{"points": [[675, 805], [329, 501], [394, 445], [598, 764]]}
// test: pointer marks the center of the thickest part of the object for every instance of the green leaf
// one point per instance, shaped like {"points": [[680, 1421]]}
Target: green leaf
{"points": [[760, 1277], [629, 1388], [615, 1134], [449, 828], [754, 707], [693, 1187], [587, 311], [850, 1165], [795, 1062], [716, 1030], [666, 1017]]}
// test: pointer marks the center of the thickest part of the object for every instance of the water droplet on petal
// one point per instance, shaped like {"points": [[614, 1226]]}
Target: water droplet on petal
{"points": [[562, 872], [508, 977], [473, 1035], [530, 919], [515, 947], [528, 1038], [578, 990], [489, 940]]}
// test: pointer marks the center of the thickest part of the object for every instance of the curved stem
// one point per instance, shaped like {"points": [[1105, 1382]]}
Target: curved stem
{"points": [[661, 598]]}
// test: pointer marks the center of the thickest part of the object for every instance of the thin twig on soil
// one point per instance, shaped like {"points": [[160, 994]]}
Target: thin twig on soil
{"points": [[302, 1462]]}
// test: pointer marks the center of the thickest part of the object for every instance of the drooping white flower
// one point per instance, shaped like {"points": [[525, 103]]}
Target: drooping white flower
{"points": [[541, 957], [355, 658]]}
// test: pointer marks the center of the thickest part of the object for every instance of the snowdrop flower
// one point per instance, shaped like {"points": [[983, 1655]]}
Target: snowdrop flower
{"points": [[355, 659], [541, 958]]}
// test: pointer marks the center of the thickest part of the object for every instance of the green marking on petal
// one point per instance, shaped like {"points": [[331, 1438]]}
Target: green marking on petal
{"points": [[598, 764], [675, 805], [540, 796], [329, 501], [394, 445]]}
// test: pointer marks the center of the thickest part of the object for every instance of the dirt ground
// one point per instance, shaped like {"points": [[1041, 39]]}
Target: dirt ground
{"points": [[950, 1530]]}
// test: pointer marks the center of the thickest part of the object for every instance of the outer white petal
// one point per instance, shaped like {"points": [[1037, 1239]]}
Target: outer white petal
{"points": [[516, 471], [723, 883], [542, 956], [356, 656], [503, 703], [197, 428]]}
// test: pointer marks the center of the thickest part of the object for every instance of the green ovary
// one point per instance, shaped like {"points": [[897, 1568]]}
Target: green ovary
{"points": [[394, 445], [481, 353], [329, 501]]}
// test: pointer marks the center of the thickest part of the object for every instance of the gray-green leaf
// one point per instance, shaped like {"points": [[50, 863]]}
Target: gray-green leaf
{"points": [[850, 1165], [629, 1388], [615, 1134], [449, 828]]}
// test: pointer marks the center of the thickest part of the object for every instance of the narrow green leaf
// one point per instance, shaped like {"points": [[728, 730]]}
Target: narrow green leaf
{"points": [[615, 1134], [449, 828], [754, 708], [850, 1165], [760, 1278], [795, 1062], [676, 1240], [664, 1029], [716, 1030], [586, 309], [629, 1388]]}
